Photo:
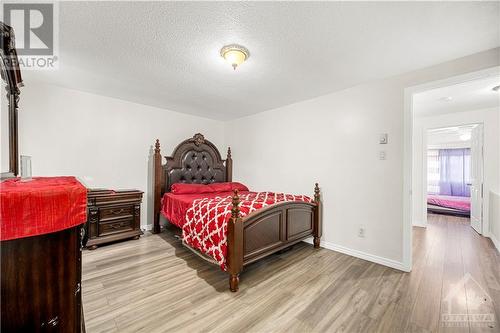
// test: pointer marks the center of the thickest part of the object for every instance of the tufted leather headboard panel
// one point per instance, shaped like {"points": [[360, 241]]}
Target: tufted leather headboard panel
{"points": [[194, 161]]}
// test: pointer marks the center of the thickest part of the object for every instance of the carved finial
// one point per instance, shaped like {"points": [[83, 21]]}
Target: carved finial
{"points": [[235, 211], [157, 146], [316, 193], [8, 34], [198, 139], [229, 152]]}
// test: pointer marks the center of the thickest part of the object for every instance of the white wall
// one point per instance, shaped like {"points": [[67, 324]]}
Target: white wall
{"points": [[448, 140], [4, 129], [333, 139], [105, 142], [487, 117]]}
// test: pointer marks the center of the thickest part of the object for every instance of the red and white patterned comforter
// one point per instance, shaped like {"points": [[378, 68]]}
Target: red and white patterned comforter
{"points": [[206, 221]]}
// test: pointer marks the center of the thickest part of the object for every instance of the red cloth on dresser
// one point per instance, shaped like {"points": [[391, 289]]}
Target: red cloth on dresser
{"points": [[40, 206]]}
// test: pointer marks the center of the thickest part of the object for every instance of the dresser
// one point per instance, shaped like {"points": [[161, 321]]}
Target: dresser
{"points": [[41, 258], [112, 216]]}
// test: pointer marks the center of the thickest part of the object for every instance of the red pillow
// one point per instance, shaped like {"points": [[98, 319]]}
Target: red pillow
{"points": [[227, 187], [180, 188], [238, 186], [220, 187]]}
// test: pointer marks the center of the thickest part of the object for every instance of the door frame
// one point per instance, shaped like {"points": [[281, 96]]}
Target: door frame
{"points": [[425, 166], [483, 229], [408, 148]]}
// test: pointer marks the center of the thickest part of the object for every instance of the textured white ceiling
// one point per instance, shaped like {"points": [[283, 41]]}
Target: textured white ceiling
{"points": [[467, 96], [166, 54]]}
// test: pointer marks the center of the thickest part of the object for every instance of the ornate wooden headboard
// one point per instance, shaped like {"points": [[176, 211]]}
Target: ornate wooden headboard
{"points": [[193, 161]]}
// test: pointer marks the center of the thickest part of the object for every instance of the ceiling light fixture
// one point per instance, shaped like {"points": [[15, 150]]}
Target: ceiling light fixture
{"points": [[496, 88], [234, 54], [446, 99]]}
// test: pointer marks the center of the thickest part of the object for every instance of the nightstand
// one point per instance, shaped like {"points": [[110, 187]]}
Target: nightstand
{"points": [[112, 216]]}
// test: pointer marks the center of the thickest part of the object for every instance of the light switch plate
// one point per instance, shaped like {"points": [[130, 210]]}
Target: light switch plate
{"points": [[383, 139], [361, 231]]}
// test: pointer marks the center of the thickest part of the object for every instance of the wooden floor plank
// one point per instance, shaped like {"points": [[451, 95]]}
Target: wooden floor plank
{"points": [[155, 284], [453, 296], [479, 300], [426, 311]]}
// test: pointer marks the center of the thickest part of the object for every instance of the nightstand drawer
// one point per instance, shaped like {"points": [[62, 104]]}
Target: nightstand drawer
{"points": [[108, 228], [112, 216], [113, 213]]}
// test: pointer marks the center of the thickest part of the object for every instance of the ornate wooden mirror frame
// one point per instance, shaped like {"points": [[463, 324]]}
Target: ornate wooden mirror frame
{"points": [[11, 74]]}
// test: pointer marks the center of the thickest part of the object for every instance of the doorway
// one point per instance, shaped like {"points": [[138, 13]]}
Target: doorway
{"points": [[453, 173], [464, 100]]}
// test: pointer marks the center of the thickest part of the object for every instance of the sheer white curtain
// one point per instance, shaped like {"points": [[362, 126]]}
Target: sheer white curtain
{"points": [[455, 172], [448, 171], [433, 171]]}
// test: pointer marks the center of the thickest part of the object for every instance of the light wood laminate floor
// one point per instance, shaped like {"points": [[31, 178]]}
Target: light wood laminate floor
{"points": [[154, 284]]}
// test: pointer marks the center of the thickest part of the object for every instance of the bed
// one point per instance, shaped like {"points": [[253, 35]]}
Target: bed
{"points": [[244, 226], [451, 205]]}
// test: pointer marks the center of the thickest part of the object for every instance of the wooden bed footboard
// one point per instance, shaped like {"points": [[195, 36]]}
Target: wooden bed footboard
{"points": [[269, 230]]}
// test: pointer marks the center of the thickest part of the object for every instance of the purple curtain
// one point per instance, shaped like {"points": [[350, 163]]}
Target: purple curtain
{"points": [[454, 167]]}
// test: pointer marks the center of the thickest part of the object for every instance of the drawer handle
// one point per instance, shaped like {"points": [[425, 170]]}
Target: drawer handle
{"points": [[51, 323], [82, 237], [54, 322], [116, 212]]}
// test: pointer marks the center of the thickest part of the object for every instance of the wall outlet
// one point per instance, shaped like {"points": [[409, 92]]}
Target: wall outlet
{"points": [[361, 232]]}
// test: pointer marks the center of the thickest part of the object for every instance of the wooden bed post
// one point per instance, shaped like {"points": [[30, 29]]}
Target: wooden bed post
{"points": [[229, 166], [317, 217], [235, 244], [157, 188]]}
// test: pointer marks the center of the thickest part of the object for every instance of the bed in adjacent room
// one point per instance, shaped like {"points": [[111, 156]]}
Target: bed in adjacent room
{"points": [[224, 220], [447, 204], [448, 179]]}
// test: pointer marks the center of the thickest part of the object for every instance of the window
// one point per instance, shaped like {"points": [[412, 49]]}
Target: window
{"points": [[433, 171], [448, 172], [454, 167]]}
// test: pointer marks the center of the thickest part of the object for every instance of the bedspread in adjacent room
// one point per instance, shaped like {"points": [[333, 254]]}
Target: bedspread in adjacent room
{"points": [[453, 202], [203, 217]]}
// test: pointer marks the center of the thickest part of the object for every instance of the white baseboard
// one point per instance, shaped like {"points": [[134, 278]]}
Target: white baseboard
{"points": [[363, 255], [147, 227], [419, 224], [495, 241]]}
